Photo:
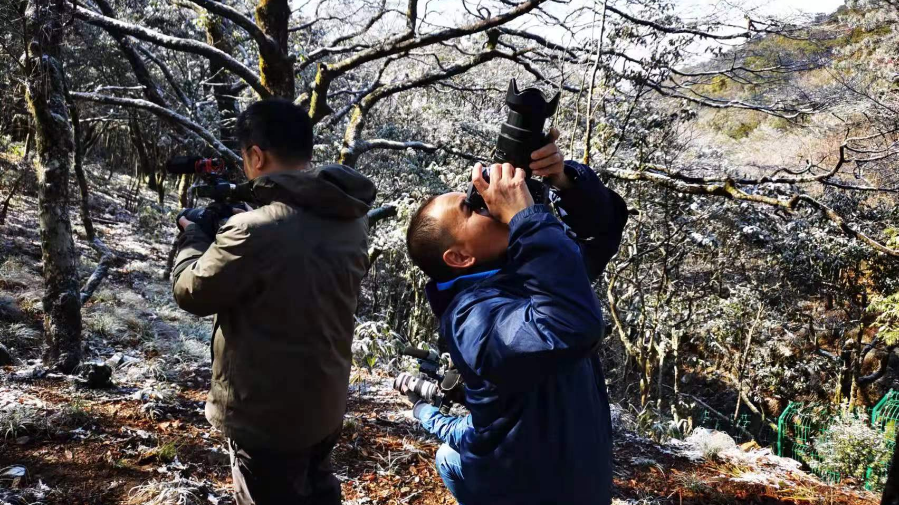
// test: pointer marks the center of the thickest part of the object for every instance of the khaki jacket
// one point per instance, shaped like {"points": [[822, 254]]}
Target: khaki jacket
{"points": [[283, 281]]}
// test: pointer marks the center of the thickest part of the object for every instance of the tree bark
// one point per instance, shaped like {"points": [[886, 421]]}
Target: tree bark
{"points": [[275, 67], [146, 165], [106, 260], [184, 183], [45, 94]]}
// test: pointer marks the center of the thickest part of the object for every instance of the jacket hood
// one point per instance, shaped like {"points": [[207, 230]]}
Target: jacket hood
{"points": [[334, 191]]}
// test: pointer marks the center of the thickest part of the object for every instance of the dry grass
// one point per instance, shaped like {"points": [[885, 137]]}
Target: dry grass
{"points": [[178, 491]]}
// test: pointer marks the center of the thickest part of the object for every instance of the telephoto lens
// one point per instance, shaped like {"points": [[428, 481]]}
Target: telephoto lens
{"points": [[519, 136], [406, 382], [522, 133]]}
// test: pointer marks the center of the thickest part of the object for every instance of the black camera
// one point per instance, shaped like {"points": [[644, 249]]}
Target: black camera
{"points": [[519, 136], [226, 195], [212, 183], [442, 390]]}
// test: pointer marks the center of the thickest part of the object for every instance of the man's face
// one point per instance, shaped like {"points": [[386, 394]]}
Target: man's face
{"points": [[477, 238]]}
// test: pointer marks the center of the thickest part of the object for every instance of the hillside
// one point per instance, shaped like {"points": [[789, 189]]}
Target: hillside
{"points": [[754, 294], [143, 439]]}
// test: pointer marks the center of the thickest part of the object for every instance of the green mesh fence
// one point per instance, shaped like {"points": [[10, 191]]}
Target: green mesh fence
{"points": [[797, 428], [800, 424], [884, 417]]}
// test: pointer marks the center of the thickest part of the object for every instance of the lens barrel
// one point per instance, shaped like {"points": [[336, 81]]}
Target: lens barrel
{"points": [[522, 133], [519, 136]]}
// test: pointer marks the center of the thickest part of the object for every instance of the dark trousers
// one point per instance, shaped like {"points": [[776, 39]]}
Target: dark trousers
{"points": [[263, 477]]}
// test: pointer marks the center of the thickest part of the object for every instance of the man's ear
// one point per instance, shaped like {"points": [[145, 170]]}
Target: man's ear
{"points": [[457, 258], [256, 159]]}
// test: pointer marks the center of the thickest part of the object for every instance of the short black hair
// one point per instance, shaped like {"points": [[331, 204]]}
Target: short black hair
{"points": [[278, 126], [426, 241]]}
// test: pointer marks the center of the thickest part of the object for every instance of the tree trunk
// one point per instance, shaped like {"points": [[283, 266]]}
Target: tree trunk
{"points": [[79, 174], [12, 192], [147, 169], [275, 67], [45, 94], [183, 190], [589, 114], [160, 187], [224, 99]]}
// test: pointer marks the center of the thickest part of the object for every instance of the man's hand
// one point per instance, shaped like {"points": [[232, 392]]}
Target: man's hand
{"points": [[549, 164], [207, 217], [506, 194]]}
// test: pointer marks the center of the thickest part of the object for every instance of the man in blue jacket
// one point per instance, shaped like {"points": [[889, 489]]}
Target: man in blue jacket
{"points": [[514, 297]]}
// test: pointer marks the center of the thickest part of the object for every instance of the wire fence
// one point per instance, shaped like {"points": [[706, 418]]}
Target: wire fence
{"points": [[801, 424]]}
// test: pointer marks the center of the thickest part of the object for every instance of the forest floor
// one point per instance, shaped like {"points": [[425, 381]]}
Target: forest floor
{"points": [[145, 440]]}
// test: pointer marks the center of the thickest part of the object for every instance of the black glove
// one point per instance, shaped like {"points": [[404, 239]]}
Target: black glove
{"points": [[207, 218]]}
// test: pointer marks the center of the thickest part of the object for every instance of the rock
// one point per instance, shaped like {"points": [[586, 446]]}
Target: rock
{"points": [[622, 420], [165, 331], [9, 310], [115, 361], [96, 375], [119, 360], [710, 443], [5, 356], [23, 440]]}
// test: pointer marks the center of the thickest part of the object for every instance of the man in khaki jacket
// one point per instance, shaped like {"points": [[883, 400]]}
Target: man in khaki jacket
{"points": [[283, 281]]}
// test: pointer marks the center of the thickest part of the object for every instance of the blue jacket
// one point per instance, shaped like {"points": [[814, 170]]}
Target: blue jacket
{"points": [[524, 338]]}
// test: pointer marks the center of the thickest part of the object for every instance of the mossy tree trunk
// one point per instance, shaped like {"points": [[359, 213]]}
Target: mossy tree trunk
{"points": [[275, 66], [45, 94]]}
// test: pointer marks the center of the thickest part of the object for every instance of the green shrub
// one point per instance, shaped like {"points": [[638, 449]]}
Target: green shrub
{"points": [[850, 446], [736, 125]]}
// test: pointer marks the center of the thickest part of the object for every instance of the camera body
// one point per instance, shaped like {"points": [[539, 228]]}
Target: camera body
{"points": [[519, 136], [441, 387], [212, 183]]}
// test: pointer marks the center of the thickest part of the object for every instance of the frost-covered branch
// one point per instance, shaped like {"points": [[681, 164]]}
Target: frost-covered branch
{"points": [[165, 114], [176, 43]]}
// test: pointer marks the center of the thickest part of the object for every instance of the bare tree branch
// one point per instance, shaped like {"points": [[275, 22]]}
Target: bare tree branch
{"points": [[318, 107], [240, 20], [178, 44], [166, 114], [168, 76], [728, 189], [675, 30]]}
